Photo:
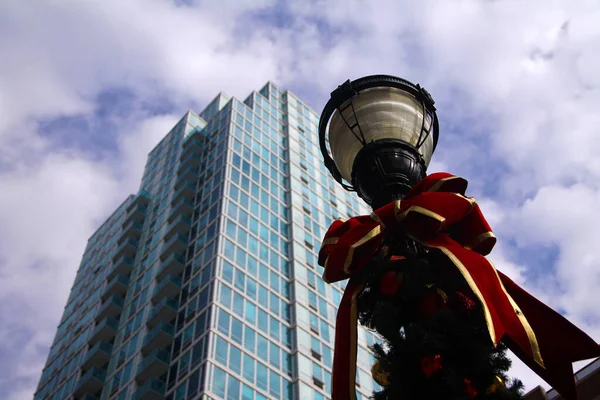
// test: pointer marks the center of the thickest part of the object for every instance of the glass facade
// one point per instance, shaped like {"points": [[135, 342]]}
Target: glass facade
{"points": [[205, 285]]}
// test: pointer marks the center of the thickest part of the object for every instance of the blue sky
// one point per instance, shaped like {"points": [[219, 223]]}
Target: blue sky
{"points": [[88, 88]]}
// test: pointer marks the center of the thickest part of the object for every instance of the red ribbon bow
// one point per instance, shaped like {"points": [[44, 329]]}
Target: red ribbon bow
{"points": [[437, 214]]}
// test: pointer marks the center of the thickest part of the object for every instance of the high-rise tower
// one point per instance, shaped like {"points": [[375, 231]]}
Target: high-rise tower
{"points": [[205, 284]]}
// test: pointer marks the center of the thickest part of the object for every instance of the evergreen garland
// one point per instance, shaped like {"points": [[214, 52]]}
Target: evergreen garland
{"points": [[436, 342]]}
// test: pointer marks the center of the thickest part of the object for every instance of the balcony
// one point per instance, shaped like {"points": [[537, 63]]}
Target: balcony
{"points": [[110, 308], [91, 382], [164, 311], [97, 355], [181, 207], [105, 330], [190, 159], [136, 212], [153, 365], [168, 287], [174, 264], [121, 266], [153, 389], [181, 224], [189, 174], [116, 286], [190, 146], [185, 189], [176, 244], [127, 247], [158, 338], [132, 229], [141, 199]]}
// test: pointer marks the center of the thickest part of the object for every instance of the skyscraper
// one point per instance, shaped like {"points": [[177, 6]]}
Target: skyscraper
{"points": [[205, 284]]}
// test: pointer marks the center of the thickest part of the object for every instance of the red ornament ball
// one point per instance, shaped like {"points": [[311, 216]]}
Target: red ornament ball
{"points": [[431, 364], [431, 303], [391, 283], [470, 389]]}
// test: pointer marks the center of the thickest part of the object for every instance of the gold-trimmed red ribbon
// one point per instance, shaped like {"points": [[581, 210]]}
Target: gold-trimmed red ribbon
{"points": [[437, 214]]}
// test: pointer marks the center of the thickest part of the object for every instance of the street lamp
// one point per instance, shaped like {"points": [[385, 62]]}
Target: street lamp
{"points": [[418, 266], [382, 133]]}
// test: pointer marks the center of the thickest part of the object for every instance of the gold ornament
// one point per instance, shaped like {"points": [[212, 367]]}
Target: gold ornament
{"points": [[381, 376], [496, 386]]}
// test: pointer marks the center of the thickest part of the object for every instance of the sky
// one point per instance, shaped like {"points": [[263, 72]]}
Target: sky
{"points": [[88, 88]]}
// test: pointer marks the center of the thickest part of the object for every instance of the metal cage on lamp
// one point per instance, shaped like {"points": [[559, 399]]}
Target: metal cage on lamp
{"points": [[382, 131]]}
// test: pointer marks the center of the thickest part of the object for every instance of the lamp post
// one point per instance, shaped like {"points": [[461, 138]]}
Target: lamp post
{"points": [[416, 267], [382, 133]]}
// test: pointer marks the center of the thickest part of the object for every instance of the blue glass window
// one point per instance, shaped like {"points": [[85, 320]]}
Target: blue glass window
{"points": [[225, 296], [224, 322], [233, 388], [247, 393], [249, 339], [227, 272], [240, 280], [248, 367], [274, 303], [251, 288], [263, 348], [232, 210], [219, 377], [230, 228], [236, 330], [253, 245], [235, 360], [274, 355], [274, 328], [238, 304], [254, 225], [325, 331], [243, 199], [221, 351], [229, 249], [261, 376], [263, 293], [242, 237], [250, 313], [274, 384], [240, 257]]}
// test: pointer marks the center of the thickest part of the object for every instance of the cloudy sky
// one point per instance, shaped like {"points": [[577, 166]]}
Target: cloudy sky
{"points": [[87, 88]]}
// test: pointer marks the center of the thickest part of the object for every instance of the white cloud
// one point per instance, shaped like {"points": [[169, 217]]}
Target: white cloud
{"points": [[526, 81]]}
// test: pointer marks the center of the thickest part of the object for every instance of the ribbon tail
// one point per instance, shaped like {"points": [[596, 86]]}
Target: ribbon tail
{"points": [[561, 343], [343, 378]]}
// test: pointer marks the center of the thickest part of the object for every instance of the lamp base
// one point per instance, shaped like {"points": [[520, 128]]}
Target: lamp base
{"points": [[385, 170]]}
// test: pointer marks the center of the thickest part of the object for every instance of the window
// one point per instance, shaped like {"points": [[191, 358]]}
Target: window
{"points": [[274, 384], [225, 298], [195, 383], [235, 360], [219, 377], [248, 367], [229, 249], [251, 288], [223, 323], [221, 351], [238, 304], [249, 339], [247, 393], [274, 355], [236, 330], [314, 323], [250, 313], [261, 376], [318, 375]]}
